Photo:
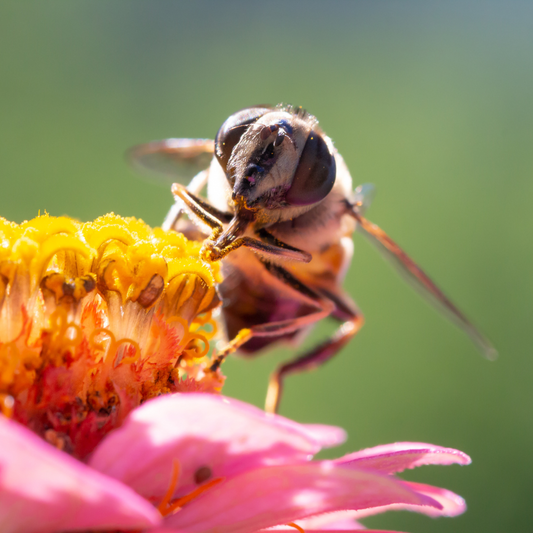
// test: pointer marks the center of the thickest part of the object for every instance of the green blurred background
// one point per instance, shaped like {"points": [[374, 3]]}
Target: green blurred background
{"points": [[431, 101]]}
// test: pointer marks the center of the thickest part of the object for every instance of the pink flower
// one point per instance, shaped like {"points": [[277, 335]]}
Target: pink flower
{"points": [[97, 319], [209, 464]]}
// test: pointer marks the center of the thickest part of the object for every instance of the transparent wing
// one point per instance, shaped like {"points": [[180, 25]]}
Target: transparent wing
{"points": [[362, 197], [173, 159], [416, 277]]}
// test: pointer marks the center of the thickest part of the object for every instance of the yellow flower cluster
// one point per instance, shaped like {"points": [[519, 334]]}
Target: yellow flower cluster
{"points": [[97, 317]]}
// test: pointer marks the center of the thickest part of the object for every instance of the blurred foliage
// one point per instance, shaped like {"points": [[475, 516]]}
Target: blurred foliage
{"points": [[431, 101]]}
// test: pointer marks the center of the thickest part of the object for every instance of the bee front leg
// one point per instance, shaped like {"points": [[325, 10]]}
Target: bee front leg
{"points": [[262, 247], [202, 210], [195, 186]]}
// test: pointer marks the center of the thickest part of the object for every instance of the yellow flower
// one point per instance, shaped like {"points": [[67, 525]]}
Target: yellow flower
{"points": [[95, 318]]}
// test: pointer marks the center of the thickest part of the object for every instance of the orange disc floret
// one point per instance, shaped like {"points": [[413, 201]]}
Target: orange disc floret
{"points": [[97, 317]]}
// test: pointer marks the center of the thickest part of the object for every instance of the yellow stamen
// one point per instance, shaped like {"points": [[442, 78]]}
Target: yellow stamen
{"points": [[192, 350], [112, 352], [7, 403], [97, 318], [208, 320]]}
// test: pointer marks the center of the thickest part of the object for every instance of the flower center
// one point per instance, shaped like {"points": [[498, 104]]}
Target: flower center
{"points": [[96, 318]]}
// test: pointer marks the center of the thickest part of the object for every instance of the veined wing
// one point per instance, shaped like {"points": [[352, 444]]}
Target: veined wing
{"points": [[362, 197], [173, 160], [416, 277]]}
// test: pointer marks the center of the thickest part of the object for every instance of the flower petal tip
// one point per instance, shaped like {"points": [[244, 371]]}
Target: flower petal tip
{"points": [[393, 458], [327, 436], [41, 485]]}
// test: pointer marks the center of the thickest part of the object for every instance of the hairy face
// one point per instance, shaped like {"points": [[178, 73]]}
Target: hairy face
{"points": [[275, 159], [264, 161]]}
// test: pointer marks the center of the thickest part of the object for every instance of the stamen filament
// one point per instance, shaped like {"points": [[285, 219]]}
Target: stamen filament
{"points": [[180, 502], [171, 488], [296, 526]]}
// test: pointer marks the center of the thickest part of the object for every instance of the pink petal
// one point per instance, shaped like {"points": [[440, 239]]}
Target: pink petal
{"points": [[326, 436], [335, 521], [452, 504], [199, 430], [45, 490], [164, 530], [391, 458], [276, 495]]}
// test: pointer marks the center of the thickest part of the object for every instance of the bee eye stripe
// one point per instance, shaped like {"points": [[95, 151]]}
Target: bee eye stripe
{"points": [[286, 126]]}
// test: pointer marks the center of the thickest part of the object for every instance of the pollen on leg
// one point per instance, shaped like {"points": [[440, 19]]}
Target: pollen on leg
{"points": [[243, 336]]}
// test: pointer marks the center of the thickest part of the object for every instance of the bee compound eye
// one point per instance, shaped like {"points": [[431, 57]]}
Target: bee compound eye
{"points": [[315, 174], [231, 131]]}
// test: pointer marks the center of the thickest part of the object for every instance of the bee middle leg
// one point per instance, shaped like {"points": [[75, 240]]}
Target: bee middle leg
{"points": [[327, 303], [352, 321]]}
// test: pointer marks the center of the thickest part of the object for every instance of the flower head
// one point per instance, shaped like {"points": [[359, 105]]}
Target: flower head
{"points": [[101, 329], [96, 318]]}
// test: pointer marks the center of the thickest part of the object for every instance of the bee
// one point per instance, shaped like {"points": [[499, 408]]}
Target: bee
{"points": [[280, 212]]}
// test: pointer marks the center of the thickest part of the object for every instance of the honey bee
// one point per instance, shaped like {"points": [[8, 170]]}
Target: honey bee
{"points": [[280, 212]]}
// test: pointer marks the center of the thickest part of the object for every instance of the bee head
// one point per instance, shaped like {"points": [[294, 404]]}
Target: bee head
{"points": [[275, 158]]}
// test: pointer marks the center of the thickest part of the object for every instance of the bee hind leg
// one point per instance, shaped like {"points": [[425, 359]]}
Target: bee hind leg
{"points": [[353, 320]]}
